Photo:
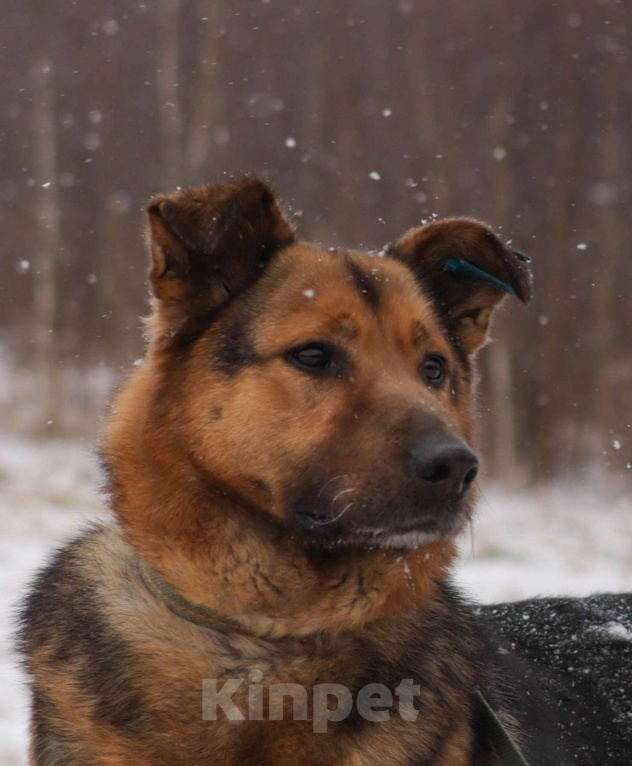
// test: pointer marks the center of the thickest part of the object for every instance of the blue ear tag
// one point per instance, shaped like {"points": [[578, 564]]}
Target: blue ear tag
{"points": [[519, 254], [464, 269]]}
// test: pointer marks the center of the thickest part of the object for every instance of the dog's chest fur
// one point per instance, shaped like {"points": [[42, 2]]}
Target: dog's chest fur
{"points": [[94, 632]]}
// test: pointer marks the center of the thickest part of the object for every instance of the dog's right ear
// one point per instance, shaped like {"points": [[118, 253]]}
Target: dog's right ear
{"points": [[208, 245]]}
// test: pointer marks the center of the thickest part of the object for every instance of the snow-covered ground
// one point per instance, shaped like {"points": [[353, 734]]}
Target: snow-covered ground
{"points": [[570, 539]]}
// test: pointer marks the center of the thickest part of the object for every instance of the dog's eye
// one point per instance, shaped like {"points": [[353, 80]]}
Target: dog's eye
{"points": [[433, 369], [314, 357]]}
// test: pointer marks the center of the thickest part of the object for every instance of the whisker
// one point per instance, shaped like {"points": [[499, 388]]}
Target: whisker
{"points": [[327, 483], [335, 518], [340, 494]]}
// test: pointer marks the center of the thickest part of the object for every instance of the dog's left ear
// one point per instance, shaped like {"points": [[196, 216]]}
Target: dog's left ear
{"points": [[208, 245], [466, 270]]}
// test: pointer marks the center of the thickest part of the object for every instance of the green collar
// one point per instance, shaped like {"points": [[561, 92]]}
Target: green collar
{"points": [[178, 604], [502, 741]]}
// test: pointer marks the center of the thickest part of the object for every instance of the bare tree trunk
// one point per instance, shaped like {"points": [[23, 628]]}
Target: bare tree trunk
{"points": [[171, 165], [424, 107], [503, 450], [609, 158], [553, 390], [550, 451], [48, 244], [207, 107], [504, 468]]}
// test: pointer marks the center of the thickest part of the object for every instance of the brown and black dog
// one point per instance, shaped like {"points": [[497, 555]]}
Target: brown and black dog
{"points": [[289, 468]]}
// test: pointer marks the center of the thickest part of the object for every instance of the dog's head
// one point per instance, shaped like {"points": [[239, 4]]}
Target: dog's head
{"points": [[328, 389]]}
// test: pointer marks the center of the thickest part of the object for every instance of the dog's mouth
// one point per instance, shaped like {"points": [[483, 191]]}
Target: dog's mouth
{"points": [[409, 537], [331, 532], [311, 518]]}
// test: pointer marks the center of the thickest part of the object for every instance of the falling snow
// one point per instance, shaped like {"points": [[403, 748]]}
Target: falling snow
{"points": [[110, 27]]}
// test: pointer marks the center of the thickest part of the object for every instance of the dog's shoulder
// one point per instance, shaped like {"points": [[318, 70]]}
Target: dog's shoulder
{"points": [[563, 666], [99, 649], [90, 601], [80, 664], [68, 594]]}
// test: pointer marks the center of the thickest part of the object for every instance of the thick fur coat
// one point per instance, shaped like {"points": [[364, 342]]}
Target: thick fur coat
{"points": [[295, 455]]}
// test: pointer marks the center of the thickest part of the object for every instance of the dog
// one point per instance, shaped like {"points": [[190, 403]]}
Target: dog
{"points": [[288, 469]]}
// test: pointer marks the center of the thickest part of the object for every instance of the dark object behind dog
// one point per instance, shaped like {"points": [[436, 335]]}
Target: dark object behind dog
{"points": [[565, 668], [288, 469]]}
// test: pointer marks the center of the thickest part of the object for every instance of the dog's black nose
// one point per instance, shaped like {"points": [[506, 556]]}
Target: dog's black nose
{"points": [[444, 464]]}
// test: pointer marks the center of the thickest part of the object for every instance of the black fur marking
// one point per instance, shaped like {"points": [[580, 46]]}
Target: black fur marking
{"points": [[365, 285], [63, 612], [464, 360], [234, 349], [217, 413]]}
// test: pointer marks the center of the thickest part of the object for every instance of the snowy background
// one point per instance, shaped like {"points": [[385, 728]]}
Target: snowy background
{"points": [[368, 118], [566, 539]]}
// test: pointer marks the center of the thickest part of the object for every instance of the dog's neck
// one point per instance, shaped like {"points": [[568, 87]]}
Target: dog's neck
{"points": [[255, 573], [242, 564]]}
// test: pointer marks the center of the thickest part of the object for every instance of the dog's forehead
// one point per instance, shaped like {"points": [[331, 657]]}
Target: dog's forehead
{"points": [[308, 279]]}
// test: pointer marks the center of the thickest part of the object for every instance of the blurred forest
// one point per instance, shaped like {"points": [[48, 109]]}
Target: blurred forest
{"points": [[368, 118]]}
